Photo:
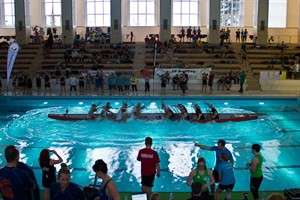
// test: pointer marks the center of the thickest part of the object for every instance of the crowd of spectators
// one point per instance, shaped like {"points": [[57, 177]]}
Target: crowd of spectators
{"points": [[19, 182]]}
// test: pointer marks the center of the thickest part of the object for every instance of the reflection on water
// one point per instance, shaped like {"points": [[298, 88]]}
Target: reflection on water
{"points": [[81, 143]]}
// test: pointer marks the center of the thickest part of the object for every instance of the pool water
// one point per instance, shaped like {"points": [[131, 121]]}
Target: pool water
{"points": [[24, 123]]}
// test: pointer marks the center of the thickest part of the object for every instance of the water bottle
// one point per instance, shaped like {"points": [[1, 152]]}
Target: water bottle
{"points": [[171, 196], [125, 198], [245, 196], [263, 196]]}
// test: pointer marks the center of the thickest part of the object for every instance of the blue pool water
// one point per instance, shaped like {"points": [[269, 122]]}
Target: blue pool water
{"points": [[24, 122]]}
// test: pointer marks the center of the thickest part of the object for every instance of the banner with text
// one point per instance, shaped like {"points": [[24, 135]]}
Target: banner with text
{"points": [[192, 73]]}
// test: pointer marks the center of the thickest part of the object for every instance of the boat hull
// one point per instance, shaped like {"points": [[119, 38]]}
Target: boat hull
{"points": [[223, 117]]}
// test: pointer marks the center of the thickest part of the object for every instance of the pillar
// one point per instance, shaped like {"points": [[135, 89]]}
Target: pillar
{"points": [[68, 29], [298, 41], [260, 29], [22, 29], [115, 21], [165, 20], [213, 28]]}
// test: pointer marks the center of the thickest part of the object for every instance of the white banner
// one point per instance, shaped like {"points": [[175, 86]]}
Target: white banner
{"points": [[192, 73], [13, 50]]}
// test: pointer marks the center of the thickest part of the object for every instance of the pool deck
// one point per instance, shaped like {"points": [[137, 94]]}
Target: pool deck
{"points": [[194, 90]]}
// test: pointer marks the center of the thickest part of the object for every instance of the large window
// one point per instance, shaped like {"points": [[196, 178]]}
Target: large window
{"points": [[142, 12], [231, 13], [97, 13], [277, 13], [52, 10], [185, 13], [7, 13]]}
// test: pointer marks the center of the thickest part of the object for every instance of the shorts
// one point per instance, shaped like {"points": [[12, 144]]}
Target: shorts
{"points": [[81, 84], [224, 187], [46, 182], [47, 85], [210, 84], [148, 180], [216, 176]]}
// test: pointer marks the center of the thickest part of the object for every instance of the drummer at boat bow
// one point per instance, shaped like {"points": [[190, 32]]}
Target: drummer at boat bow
{"points": [[91, 114], [213, 112]]}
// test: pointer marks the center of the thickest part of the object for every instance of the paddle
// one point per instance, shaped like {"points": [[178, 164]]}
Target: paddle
{"points": [[67, 111]]}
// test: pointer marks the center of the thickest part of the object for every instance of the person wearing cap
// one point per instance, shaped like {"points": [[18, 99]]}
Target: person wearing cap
{"points": [[255, 168], [91, 114], [149, 166], [219, 149]]}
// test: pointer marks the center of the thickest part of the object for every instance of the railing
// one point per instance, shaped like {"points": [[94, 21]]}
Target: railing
{"points": [[288, 39]]}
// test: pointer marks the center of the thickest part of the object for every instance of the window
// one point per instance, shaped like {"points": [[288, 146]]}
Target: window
{"points": [[142, 12], [185, 13], [231, 13], [7, 13], [97, 13], [52, 11], [277, 13]]}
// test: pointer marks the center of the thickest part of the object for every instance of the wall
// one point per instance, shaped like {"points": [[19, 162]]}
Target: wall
{"points": [[289, 34]]}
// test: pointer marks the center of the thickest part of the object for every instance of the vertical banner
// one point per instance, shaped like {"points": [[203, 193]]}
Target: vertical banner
{"points": [[13, 50]]}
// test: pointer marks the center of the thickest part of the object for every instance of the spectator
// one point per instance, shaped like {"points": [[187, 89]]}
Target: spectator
{"points": [[62, 80], [57, 73], [242, 81], [201, 174], [38, 83], [227, 82], [108, 189], [73, 84], [221, 82], [163, 85], [211, 81], [226, 177], [196, 191], [155, 196], [204, 82], [90, 83], [48, 169], [133, 82], [238, 36], [14, 181], [81, 84], [255, 168], [30, 194], [176, 82], [99, 82], [120, 84], [131, 36], [28, 85], [47, 79], [149, 166], [275, 196], [127, 84], [219, 149], [147, 85], [64, 189]]}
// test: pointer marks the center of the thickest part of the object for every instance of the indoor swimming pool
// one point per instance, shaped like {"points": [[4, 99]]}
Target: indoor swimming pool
{"points": [[24, 122]]}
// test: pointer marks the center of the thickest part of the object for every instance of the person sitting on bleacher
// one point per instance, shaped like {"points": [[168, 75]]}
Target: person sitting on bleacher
{"points": [[228, 82], [75, 56]]}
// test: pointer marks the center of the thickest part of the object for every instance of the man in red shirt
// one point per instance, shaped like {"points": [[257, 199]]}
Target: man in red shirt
{"points": [[149, 166]]}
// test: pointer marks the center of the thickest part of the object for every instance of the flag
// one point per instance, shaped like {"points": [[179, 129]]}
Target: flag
{"points": [[13, 50]]}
